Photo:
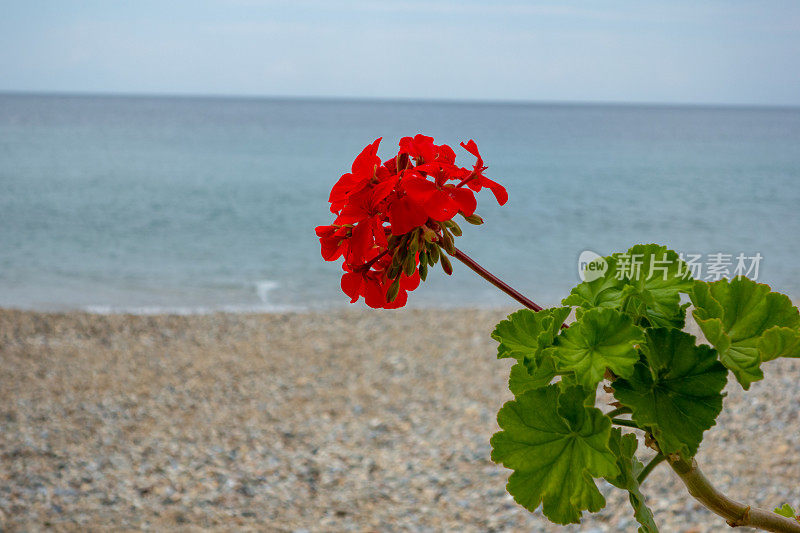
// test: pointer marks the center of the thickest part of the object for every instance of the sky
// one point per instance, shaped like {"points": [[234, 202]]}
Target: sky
{"points": [[701, 51]]}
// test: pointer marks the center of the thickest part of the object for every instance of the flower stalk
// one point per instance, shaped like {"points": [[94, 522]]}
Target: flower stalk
{"points": [[735, 513], [654, 462], [497, 282]]}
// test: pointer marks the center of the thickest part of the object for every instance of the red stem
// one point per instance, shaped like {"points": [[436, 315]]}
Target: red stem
{"points": [[494, 280], [465, 180], [366, 266]]}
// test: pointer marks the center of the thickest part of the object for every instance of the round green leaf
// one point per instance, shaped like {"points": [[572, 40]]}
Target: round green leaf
{"points": [[675, 391], [554, 444], [600, 339], [747, 324]]}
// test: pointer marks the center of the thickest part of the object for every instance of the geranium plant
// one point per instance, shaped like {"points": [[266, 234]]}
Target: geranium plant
{"points": [[394, 220]]}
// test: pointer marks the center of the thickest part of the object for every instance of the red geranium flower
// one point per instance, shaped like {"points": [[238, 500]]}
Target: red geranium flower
{"points": [[394, 218]]}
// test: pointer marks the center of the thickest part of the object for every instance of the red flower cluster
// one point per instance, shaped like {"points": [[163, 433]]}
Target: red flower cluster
{"points": [[393, 216]]}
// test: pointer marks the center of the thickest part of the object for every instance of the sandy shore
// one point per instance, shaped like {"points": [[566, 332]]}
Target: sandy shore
{"points": [[348, 421]]}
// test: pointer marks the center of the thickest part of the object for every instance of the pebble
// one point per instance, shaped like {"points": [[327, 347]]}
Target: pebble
{"points": [[330, 421]]}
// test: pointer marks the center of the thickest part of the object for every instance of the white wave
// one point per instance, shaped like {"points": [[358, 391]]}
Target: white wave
{"points": [[191, 310], [264, 287], [262, 290]]}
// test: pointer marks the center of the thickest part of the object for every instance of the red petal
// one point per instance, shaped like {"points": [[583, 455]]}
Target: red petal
{"points": [[374, 294], [324, 231], [365, 163], [332, 240], [379, 234], [472, 148], [351, 213], [409, 283], [420, 146], [405, 215], [351, 285], [400, 301], [360, 242], [440, 206], [446, 154], [465, 199], [382, 189], [419, 189], [332, 249], [391, 165], [498, 190], [448, 172], [341, 190]]}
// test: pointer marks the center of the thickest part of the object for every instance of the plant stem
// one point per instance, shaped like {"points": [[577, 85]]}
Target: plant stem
{"points": [[366, 266], [654, 462], [494, 280], [735, 513], [618, 411], [465, 180], [626, 423]]}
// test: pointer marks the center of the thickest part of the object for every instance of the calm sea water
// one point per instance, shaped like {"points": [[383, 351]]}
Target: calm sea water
{"points": [[191, 204]]}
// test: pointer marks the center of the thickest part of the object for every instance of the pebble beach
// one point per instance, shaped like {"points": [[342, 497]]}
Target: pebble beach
{"points": [[313, 422]]}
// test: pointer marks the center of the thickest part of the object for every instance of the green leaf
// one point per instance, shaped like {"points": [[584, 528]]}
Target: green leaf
{"points": [[624, 448], [746, 323], [605, 291], [656, 286], [554, 444], [779, 342], [600, 339], [644, 282], [521, 381], [525, 333], [786, 510], [675, 391]]}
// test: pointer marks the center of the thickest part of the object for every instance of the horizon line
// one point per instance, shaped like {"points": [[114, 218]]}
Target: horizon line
{"points": [[396, 99]]}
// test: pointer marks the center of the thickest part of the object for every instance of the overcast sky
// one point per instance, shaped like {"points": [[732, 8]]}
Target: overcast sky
{"points": [[712, 51]]}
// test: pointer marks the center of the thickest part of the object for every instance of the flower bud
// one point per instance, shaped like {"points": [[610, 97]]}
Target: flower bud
{"points": [[413, 245], [433, 253], [455, 228], [410, 265], [394, 290], [474, 219], [428, 234], [393, 271], [447, 242], [423, 269], [446, 266], [397, 264]]}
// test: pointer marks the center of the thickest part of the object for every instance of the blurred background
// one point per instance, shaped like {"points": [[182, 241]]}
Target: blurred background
{"points": [[176, 355], [176, 157]]}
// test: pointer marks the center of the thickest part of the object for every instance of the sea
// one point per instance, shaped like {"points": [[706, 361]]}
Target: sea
{"points": [[127, 204]]}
